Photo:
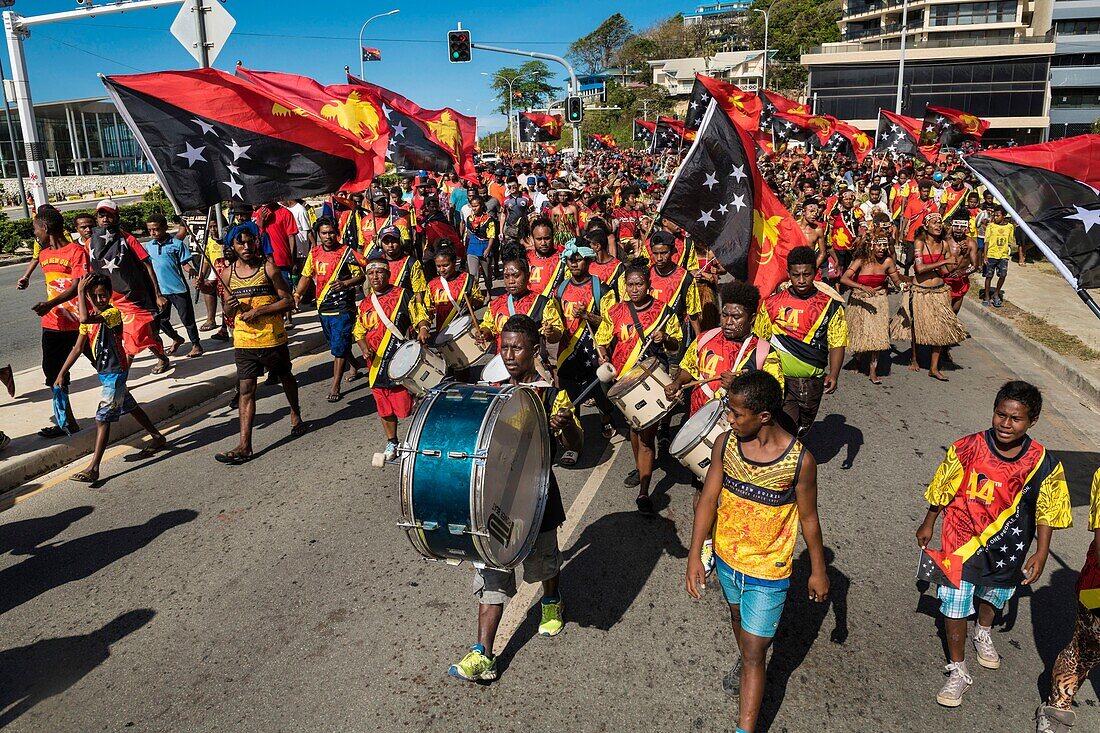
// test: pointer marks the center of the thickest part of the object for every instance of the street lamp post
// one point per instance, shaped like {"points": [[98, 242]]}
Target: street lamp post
{"points": [[764, 81], [901, 53], [362, 68], [509, 82]]}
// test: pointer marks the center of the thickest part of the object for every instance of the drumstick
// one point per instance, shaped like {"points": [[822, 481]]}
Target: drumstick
{"points": [[469, 306]]}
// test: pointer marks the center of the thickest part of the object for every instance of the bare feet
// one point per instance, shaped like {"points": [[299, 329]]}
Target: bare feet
{"points": [[195, 351], [935, 374], [914, 366], [171, 351]]}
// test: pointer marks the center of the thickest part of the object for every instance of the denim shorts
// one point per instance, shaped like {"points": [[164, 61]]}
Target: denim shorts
{"points": [[338, 331], [761, 601], [959, 602], [995, 267]]}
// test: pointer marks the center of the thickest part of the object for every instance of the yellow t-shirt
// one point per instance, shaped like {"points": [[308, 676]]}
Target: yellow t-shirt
{"points": [[999, 239]]}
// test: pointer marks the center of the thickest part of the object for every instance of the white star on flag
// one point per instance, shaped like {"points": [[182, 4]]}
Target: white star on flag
{"points": [[387, 111], [706, 217], [399, 130], [1020, 546], [738, 173], [930, 128], [207, 128], [110, 265], [1000, 563], [239, 151], [1088, 217], [738, 202], [192, 155], [234, 170], [711, 181], [723, 209], [694, 105], [1017, 531], [234, 187]]}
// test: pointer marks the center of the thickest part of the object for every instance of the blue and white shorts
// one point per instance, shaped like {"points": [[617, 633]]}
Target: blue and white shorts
{"points": [[959, 602]]}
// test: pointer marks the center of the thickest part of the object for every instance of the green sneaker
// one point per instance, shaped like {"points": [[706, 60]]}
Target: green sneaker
{"points": [[475, 666], [552, 620]]}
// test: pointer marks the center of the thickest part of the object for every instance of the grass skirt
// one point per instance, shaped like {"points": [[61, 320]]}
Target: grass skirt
{"points": [[929, 310], [868, 322]]}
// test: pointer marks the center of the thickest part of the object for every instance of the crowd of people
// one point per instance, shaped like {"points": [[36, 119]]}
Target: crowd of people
{"points": [[566, 270]]}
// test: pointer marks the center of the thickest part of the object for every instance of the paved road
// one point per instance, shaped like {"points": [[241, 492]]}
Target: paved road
{"points": [[183, 595], [16, 212]]}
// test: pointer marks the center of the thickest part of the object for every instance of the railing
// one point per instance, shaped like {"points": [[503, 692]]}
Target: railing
{"points": [[894, 44]]}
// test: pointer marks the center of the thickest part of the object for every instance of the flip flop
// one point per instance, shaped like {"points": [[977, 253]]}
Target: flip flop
{"points": [[233, 458], [353, 376], [85, 477], [220, 336], [162, 367], [171, 351], [153, 448], [876, 380], [608, 431], [569, 458], [334, 397], [938, 378], [299, 430], [51, 431], [208, 327]]}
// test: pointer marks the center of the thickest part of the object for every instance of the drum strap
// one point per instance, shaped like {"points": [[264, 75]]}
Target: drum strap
{"points": [[385, 319], [447, 290]]}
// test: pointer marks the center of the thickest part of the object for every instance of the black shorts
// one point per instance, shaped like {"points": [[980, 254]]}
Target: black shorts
{"points": [[251, 363], [56, 347]]}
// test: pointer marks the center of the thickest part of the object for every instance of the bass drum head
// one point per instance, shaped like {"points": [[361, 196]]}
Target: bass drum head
{"points": [[630, 379], [458, 326], [697, 427], [511, 487], [495, 371], [404, 360]]}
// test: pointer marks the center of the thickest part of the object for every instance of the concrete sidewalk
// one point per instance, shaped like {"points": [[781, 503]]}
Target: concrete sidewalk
{"points": [[189, 383], [1045, 294]]}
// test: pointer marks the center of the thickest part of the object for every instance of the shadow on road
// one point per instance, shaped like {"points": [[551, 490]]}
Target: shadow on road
{"points": [[800, 627], [1053, 613], [33, 673], [55, 565], [831, 435], [25, 536]]}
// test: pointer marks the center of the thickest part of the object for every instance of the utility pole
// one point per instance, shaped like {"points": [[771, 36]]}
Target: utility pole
{"points": [[14, 148], [901, 54], [17, 30]]}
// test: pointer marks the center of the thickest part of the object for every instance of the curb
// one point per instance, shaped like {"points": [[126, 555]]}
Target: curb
{"points": [[6, 260], [16, 472], [1059, 366]]}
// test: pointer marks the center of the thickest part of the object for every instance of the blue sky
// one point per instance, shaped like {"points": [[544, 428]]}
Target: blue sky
{"points": [[318, 39]]}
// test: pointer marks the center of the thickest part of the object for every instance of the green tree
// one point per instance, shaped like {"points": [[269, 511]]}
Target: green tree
{"points": [[1096, 126], [794, 26], [533, 86], [600, 48]]}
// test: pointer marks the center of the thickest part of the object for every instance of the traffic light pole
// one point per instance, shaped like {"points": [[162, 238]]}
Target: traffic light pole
{"points": [[574, 88]]}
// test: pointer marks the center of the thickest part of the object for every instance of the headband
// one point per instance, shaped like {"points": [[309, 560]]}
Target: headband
{"points": [[572, 249]]}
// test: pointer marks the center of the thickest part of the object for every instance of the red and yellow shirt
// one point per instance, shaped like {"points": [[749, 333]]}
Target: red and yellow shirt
{"points": [[712, 354], [546, 273], [325, 267], [541, 308], [618, 327], [443, 296], [62, 267], [678, 289], [803, 330], [1088, 583]]}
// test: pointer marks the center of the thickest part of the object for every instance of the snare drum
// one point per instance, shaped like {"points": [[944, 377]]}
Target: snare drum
{"points": [[416, 367], [693, 444], [496, 373], [475, 473], [457, 343], [640, 394]]}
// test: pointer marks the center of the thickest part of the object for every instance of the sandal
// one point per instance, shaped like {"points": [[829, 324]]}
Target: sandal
{"points": [[85, 477], [608, 431], [220, 336], [233, 457], [876, 380], [353, 376], [645, 506], [299, 430], [153, 448], [335, 397], [162, 367], [53, 431], [208, 326], [569, 458]]}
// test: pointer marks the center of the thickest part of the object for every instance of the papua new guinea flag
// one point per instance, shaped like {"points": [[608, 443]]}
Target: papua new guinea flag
{"points": [[535, 127], [742, 107]]}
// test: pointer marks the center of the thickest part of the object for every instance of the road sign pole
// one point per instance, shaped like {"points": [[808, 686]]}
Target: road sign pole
{"points": [[199, 9]]}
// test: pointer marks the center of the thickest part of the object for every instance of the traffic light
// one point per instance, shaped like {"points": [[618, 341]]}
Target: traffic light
{"points": [[574, 110], [459, 44]]}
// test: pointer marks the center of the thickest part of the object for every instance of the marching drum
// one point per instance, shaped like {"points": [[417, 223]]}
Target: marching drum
{"points": [[693, 443], [416, 367], [457, 344], [475, 472], [495, 372], [640, 394]]}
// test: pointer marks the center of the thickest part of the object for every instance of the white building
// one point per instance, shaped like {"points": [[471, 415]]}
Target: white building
{"points": [[743, 68]]}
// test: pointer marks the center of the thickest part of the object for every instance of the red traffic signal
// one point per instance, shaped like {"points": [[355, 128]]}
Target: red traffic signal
{"points": [[459, 46]]}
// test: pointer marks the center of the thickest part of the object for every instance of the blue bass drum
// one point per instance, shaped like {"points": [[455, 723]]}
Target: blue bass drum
{"points": [[475, 472]]}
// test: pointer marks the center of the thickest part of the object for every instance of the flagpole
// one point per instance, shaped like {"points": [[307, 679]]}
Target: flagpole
{"points": [[1054, 259]]}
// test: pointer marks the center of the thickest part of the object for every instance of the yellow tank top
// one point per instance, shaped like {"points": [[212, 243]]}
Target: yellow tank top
{"points": [[255, 291], [757, 512]]}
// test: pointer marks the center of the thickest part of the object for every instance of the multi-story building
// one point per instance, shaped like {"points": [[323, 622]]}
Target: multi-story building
{"points": [[1075, 68], [743, 68], [989, 58], [723, 23]]}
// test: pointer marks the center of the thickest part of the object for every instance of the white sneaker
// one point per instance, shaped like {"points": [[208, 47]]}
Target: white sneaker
{"points": [[1053, 720], [983, 645], [391, 450], [958, 682]]}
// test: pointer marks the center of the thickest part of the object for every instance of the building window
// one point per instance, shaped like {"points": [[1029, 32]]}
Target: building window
{"points": [[1084, 27], [1002, 11], [1075, 97], [1076, 59]]}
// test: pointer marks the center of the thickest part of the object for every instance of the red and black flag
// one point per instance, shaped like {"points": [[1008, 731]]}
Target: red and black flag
{"points": [[951, 127], [1051, 191], [770, 103], [602, 142], [371, 54], [439, 140], [900, 135], [742, 107], [790, 128], [668, 134], [212, 137], [858, 141], [643, 131], [719, 198], [535, 127]]}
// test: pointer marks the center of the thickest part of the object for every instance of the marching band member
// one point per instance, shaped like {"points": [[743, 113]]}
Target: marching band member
{"points": [[405, 271], [520, 344], [673, 284], [519, 298], [628, 325], [450, 288], [386, 315], [547, 266]]}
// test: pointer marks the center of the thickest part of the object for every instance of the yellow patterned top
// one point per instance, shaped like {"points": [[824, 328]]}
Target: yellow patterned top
{"points": [[757, 512], [255, 291]]}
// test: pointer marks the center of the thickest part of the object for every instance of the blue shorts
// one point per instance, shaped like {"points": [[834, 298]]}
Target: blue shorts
{"points": [[761, 601], [959, 602], [995, 267], [116, 399], [338, 332]]}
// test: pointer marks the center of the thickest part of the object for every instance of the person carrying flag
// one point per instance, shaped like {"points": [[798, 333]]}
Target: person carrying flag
{"points": [[630, 332], [336, 272], [844, 230], [953, 197], [386, 318], [997, 490], [673, 284]]}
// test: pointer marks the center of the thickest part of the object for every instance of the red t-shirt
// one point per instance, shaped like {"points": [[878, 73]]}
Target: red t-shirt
{"points": [[546, 272], [628, 221], [62, 267], [281, 227]]}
